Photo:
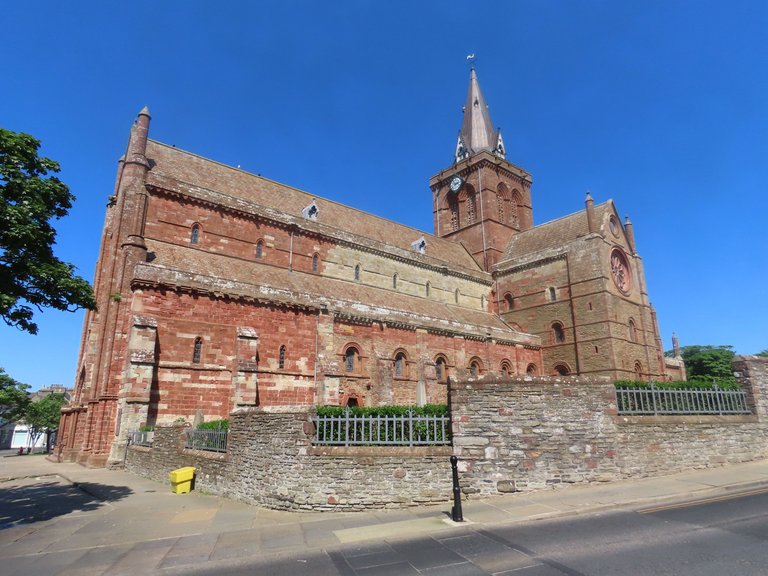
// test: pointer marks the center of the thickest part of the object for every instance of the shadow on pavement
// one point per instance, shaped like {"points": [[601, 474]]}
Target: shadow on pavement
{"points": [[24, 502]]}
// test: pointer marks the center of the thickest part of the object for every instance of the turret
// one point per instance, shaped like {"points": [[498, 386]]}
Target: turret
{"points": [[591, 224], [630, 234]]}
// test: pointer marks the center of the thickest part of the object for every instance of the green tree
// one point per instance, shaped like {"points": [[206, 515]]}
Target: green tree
{"points": [[763, 353], [13, 398], [42, 416], [30, 274], [708, 362]]}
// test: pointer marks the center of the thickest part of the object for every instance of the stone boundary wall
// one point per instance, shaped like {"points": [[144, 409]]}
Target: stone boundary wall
{"points": [[517, 435], [509, 435], [271, 462]]}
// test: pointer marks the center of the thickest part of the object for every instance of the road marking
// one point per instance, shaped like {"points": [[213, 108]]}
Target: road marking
{"points": [[701, 501]]}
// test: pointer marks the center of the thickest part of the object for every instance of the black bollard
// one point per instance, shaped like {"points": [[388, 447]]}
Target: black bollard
{"points": [[456, 514]]}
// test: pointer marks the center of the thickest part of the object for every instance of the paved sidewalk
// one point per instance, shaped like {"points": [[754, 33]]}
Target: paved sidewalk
{"points": [[65, 519]]}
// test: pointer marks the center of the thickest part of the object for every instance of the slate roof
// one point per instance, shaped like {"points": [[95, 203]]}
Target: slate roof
{"points": [[185, 266], [552, 235], [188, 173]]}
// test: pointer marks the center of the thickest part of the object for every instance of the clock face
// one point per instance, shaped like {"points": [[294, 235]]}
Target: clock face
{"points": [[620, 271], [455, 183]]}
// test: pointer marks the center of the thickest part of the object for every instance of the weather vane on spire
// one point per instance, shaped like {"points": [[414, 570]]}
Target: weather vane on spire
{"points": [[471, 59]]}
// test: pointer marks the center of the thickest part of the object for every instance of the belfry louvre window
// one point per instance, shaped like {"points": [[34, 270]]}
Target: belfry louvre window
{"points": [[315, 263], [259, 249], [281, 358]]}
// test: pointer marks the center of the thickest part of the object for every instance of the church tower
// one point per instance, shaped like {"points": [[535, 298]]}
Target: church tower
{"points": [[482, 200]]}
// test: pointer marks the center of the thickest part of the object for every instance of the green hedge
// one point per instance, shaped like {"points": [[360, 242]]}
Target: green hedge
{"points": [[426, 410], [214, 425], [722, 384]]}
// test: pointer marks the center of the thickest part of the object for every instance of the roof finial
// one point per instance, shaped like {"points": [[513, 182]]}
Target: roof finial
{"points": [[471, 59]]}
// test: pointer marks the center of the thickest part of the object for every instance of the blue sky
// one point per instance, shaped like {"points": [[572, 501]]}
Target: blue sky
{"points": [[660, 105]]}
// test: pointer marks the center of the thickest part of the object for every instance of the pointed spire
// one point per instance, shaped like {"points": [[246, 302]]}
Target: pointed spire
{"points": [[477, 132]]}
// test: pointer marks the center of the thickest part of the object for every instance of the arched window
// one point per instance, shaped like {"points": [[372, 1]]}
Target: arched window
{"points": [[260, 249], [426, 289], [558, 333], [531, 370], [394, 281], [562, 370], [475, 367], [441, 369], [552, 294], [357, 272], [197, 351], [506, 368], [401, 365], [632, 331], [315, 263], [508, 301], [502, 200], [281, 360], [453, 207], [194, 236], [638, 371], [352, 359], [471, 207], [514, 209], [456, 296]]}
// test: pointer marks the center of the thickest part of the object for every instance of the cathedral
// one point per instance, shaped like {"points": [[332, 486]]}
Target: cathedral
{"points": [[218, 289]]}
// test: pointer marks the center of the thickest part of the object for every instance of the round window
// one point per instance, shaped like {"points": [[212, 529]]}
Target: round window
{"points": [[620, 271], [614, 225]]}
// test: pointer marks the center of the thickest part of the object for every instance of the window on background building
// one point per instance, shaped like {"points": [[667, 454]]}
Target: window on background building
{"points": [[562, 370], [632, 331], [197, 351], [441, 369], [281, 360], [357, 272], [552, 294], [474, 368], [456, 296], [394, 281], [531, 370], [351, 359], [558, 333], [508, 302], [506, 369], [638, 371], [315, 263], [194, 236], [400, 365], [426, 289], [260, 249]]}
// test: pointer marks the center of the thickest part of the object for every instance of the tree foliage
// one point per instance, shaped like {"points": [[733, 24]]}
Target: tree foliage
{"points": [[42, 416], [13, 398], [708, 362], [30, 274], [763, 353]]}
